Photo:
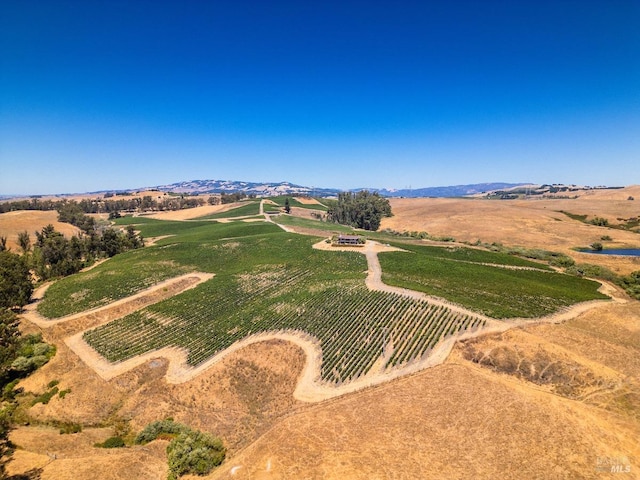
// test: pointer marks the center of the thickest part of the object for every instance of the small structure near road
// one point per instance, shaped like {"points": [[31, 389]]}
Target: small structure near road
{"points": [[349, 240]]}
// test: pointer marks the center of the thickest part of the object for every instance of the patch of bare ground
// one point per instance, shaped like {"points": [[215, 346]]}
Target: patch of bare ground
{"points": [[535, 223], [13, 223], [556, 369]]}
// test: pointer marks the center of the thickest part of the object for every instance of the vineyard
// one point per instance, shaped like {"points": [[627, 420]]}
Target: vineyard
{"points": [[485, 282], [354, 326], [270, 280]]}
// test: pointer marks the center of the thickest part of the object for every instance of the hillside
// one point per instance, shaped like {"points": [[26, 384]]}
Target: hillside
{"points": [[481, 413]]}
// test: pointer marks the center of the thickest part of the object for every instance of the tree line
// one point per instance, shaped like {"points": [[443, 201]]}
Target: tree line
{"points": [[53, 255], [361, 210], [147, 203]]}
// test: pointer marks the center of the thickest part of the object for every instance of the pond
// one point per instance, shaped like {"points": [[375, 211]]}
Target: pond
{"points": [[629, 252]]}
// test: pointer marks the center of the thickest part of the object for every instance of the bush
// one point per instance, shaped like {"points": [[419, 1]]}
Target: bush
{"points": [[63, 393], [190, 451], [69, 428], [111, 442], [155, 429], [41, 349], [195, 453], [597, 246], [594, 271], [45, 397], [631, 284], [9, 391], [26, 365]]}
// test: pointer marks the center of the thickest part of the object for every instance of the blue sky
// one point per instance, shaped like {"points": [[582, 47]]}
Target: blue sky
{"points": [[121, 94]]}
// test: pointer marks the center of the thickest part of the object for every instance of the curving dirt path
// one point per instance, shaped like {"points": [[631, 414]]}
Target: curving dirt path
{"points": [[310, 387]]}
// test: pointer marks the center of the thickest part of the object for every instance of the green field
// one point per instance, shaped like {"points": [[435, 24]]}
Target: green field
{"points": [[467, 277], [269, 280], [328, 227]]}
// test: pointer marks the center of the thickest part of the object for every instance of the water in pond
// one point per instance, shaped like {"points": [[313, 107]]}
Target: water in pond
{"points": [[630, 252]]}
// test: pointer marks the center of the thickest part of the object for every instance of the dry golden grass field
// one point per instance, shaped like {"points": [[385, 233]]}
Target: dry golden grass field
{"points": [[543, 401], [12, 223]]}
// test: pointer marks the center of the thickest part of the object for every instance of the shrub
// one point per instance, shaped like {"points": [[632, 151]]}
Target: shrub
{"points": [[597, 246], [9, 391], [63, 393], [41, 349], [589, 270], [605, 238], [111, 442], [631, 284], [45, 397], [195, 453], [155, 429], [190, 451], [69, 428], [25, 365]]}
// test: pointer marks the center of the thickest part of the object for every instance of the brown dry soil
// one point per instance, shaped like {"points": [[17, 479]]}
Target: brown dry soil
{"points": [[539, 401]]}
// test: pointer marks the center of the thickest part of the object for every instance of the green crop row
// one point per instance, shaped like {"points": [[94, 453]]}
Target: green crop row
{"points": [[354, 326], [488, 289]]}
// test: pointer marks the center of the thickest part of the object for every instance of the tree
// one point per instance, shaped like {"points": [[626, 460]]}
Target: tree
{"points": [[6, 447], [15, 281], [287, 206], [361, 210], [24, 241], [3, 244], [19, 356], [133, 239], [9, 343]]}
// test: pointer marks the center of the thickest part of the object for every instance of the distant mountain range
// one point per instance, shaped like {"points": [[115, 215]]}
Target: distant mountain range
{"points": [[286, 188]]}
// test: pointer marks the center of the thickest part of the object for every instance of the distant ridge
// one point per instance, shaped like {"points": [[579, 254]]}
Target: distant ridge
{"points": [[268, 189], [286, 188], [450, 191]]}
